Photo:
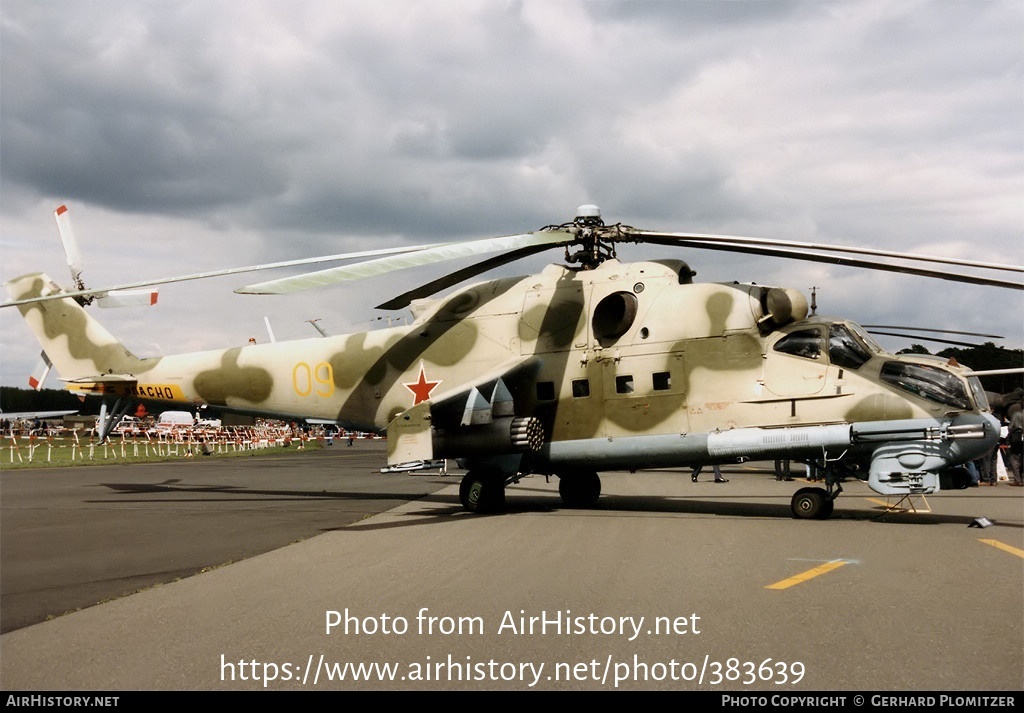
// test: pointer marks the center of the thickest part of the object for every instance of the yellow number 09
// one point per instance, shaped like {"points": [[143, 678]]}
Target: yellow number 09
{"points": [[304, 378]]}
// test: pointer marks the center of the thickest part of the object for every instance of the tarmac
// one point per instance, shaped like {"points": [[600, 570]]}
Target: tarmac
{"points": [[664, 585]]}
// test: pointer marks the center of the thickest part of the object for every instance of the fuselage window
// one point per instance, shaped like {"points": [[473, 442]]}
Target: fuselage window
{"points": [[624, 384], [662, 380], [546, 390], [804, 343], [581, 388]]}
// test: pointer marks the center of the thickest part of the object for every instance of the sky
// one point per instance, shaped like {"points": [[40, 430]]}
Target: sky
{"points": [[193, 136]]}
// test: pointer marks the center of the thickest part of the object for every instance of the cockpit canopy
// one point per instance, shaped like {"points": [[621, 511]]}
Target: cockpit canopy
{"points": [[849, 346], [927, 382]]}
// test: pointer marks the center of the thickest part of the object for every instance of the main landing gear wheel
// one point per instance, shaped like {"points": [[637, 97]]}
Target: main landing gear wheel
{"points": [[579, 488], [482, 491], [812, 504]]}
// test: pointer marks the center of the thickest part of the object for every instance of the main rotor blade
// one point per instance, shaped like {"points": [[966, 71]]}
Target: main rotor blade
{"points": [[926, 329], [924, 338], [403, 300], [427, 256], [221, 273], [676, 238], [744, 245]]}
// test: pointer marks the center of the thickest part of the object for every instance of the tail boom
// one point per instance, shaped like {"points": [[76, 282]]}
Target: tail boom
{"points": [[79, 347]]}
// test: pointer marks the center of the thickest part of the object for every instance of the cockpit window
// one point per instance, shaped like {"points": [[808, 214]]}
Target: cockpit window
{"points": [[845, 349], [865, 338], [980, 397], [928, 382], [804, 343]]}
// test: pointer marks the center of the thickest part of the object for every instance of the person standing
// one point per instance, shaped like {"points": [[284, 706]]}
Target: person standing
{"points": [[718, 473], [972, 470], [987, 469], [782, 469], [1015, 450]]}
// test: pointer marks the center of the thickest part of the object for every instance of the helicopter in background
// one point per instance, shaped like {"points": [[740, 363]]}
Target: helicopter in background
{"points": [[592, 364]]}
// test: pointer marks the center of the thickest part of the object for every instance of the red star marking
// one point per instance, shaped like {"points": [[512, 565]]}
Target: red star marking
{"points": [[421, 388]]}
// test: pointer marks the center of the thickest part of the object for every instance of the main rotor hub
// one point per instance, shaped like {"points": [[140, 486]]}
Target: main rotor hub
{"points": [[595, 240], [590, 234]]}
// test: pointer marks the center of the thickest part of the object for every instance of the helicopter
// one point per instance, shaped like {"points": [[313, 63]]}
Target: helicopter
{"points": [[591, 364]]}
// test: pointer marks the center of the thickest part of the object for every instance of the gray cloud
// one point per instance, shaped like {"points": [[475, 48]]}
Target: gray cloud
{"points": [[194, 135]]}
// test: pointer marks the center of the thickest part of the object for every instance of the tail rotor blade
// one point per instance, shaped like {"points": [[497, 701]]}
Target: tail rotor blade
{"points": [[39, 374], [71, 252]]}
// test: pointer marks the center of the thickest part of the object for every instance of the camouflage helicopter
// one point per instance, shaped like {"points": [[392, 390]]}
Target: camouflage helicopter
{"points": [[591, 364]]}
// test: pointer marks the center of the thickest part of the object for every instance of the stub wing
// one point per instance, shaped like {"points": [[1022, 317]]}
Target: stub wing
{"points": [[480, 413]]}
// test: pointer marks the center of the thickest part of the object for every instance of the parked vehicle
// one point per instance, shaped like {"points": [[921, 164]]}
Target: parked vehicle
{"points": [[128, 424], [174, 419]]}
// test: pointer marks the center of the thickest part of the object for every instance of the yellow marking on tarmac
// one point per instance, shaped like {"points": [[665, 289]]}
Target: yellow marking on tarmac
{"points": [[1004, 547], [809, 574]]}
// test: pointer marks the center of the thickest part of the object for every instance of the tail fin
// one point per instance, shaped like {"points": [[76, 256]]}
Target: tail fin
{"points": [[79, 347]]}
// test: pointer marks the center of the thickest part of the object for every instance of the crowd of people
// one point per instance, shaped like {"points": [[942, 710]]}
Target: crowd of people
{"points": [[1011, 444]]}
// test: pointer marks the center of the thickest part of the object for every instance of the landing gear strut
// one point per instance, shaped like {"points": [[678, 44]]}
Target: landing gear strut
{"points": [[106, 424]]}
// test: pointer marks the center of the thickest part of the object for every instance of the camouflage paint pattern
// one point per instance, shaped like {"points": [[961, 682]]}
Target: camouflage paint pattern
{"points": [[693, 358]]}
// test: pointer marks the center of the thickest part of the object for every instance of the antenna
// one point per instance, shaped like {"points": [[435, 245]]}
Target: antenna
{"points": [[814, 301]]}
